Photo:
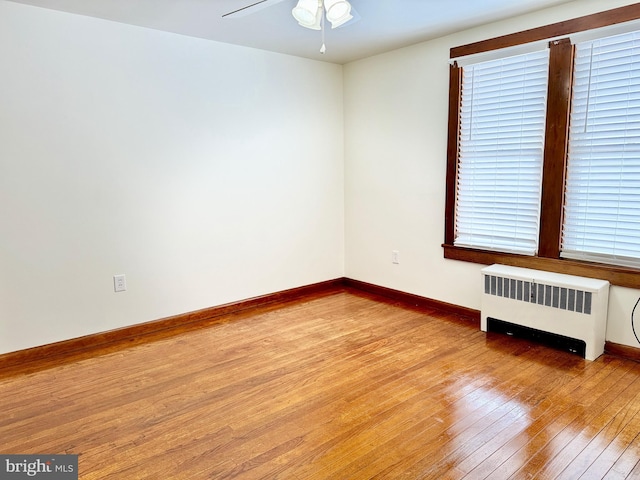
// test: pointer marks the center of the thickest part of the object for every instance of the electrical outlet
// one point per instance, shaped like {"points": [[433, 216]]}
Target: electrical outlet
{"points": [[119, 283], [395, 257]]}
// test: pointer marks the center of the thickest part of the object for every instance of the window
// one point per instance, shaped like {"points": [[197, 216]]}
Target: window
{"points": [[502, 122], [568, 168], [602, 203]]}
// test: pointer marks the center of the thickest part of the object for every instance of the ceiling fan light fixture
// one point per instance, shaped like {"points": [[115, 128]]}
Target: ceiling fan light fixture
{"points": [[341, 21], [308, 13], [338, 12]]}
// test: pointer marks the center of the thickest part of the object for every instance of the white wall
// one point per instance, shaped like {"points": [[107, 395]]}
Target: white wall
{"points": [[185, 165], [396, 134], [193, 167]]}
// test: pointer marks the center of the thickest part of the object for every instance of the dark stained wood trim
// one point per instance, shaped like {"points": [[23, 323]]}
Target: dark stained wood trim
{"points": [[412, 300], [621, 276], [587, 22], [556, 145], [45, 356], [41, 357], [455, 86], [624, 351], [91, 345]]}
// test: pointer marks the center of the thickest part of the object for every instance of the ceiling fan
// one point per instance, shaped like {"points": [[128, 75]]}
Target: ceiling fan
{"points": [[309, 13]]}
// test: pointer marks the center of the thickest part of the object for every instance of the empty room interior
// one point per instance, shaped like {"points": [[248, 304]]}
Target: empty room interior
{"points": [[226, 259]]}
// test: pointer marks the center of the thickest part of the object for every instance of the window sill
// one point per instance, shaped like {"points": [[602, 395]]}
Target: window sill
{"points": [[620, 276]]}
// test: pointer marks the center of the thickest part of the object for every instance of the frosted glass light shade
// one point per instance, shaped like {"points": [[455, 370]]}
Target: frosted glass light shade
{"points": [[341, 21], [338, 12], [307, 13]]}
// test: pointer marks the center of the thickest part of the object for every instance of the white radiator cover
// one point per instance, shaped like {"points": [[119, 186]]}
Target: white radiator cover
{"points": [[566, 305]]}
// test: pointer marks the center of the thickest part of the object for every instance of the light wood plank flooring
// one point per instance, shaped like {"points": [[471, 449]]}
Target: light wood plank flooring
{"points": [[338, 386]]}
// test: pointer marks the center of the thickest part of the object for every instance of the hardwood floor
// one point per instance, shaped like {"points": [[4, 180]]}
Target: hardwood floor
{"points": [[337, 386]]}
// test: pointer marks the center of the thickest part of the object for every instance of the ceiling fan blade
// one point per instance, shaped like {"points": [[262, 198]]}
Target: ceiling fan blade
{"points": [[250, 9]]}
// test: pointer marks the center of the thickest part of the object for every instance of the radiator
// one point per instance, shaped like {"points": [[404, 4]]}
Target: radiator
{"points": [[565, 307]]}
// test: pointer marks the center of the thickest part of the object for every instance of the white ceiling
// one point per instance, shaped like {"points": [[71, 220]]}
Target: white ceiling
{"points": [[384, 25]]}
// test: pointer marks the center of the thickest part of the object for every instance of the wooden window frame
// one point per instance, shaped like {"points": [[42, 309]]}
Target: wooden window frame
{"points": [[555, 151]]}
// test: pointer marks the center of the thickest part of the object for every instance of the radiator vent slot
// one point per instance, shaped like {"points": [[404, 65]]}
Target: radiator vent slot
{"points": [[552, 296], [553, 340]]}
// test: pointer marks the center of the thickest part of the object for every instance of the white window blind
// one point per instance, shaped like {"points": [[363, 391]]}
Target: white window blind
{"points": [[502, 124], [602, 204]]}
